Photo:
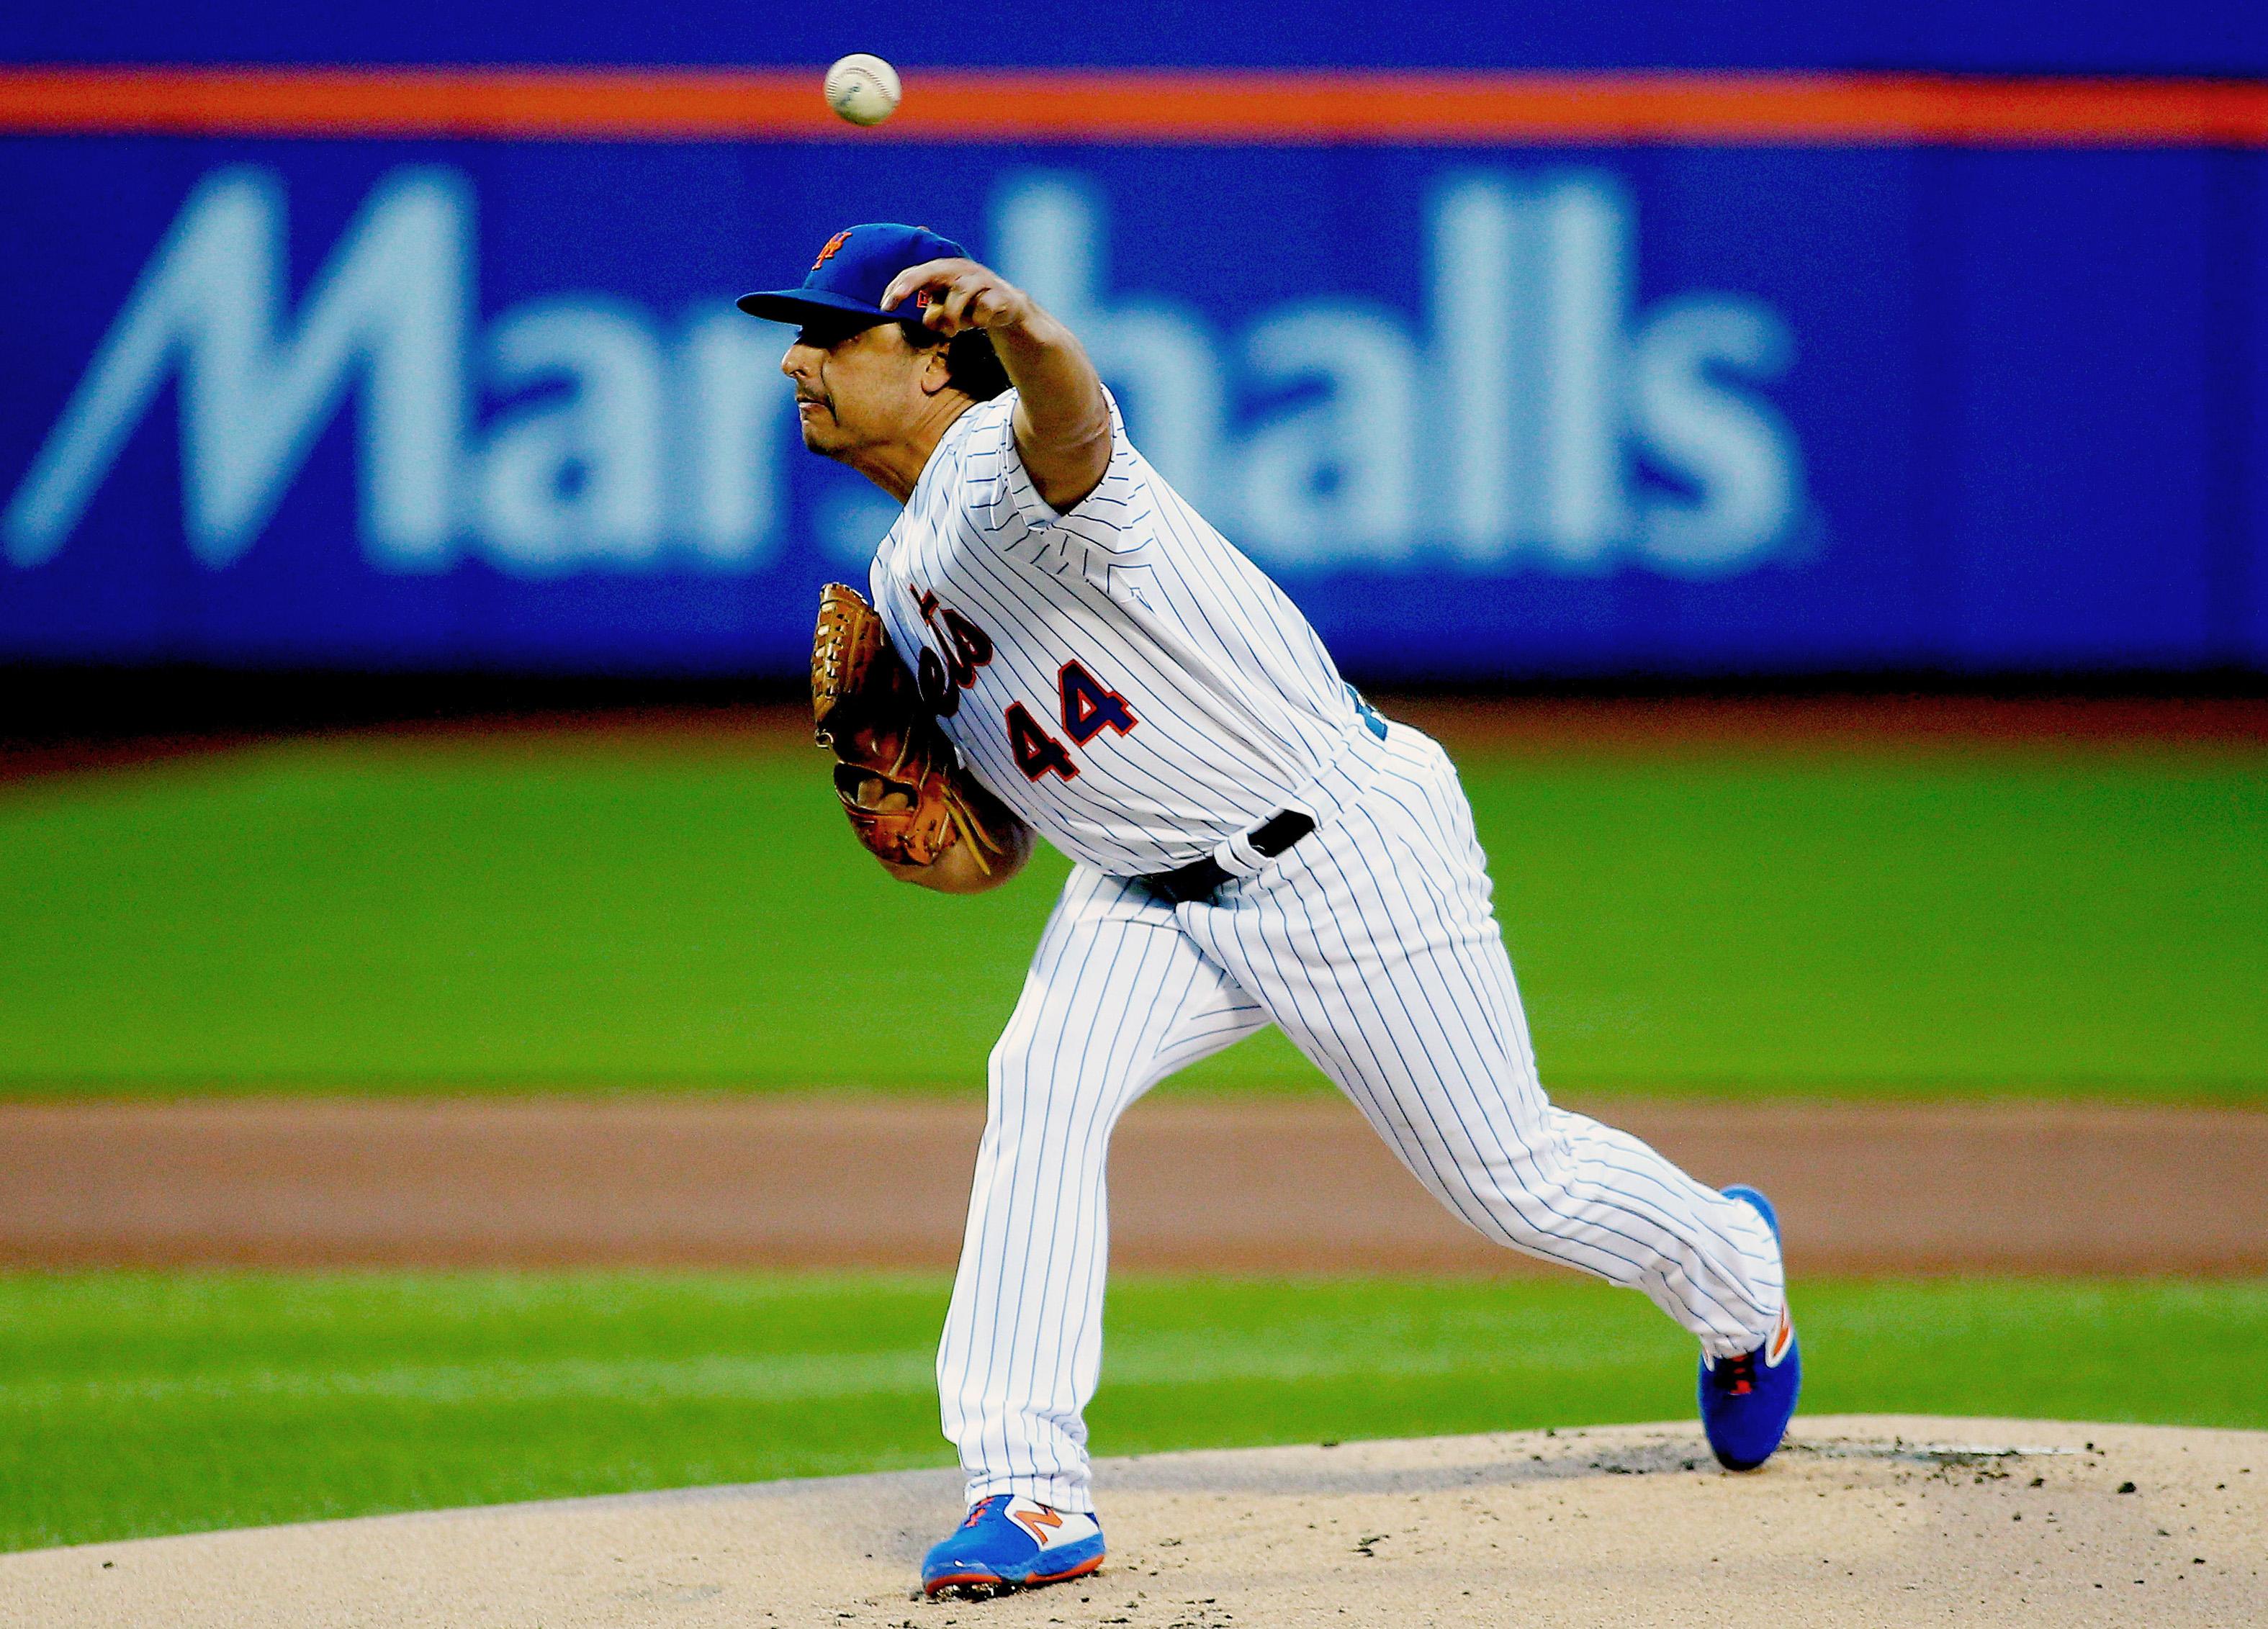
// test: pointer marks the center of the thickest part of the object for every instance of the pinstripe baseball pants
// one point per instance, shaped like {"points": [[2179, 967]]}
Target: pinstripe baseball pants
{"points": [[1371, 942]]}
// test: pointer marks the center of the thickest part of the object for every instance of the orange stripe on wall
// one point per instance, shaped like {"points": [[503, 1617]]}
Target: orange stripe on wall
{"points": [[1132, 107]]}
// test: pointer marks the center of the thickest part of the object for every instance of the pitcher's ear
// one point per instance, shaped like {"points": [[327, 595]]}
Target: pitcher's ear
{"points": [[936, 370]]}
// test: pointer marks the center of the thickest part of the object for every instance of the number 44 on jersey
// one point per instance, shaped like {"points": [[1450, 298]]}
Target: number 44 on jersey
{"points": [[1088, 709]]}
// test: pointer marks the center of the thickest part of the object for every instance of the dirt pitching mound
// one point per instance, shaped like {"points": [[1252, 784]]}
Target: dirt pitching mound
{"points": [[1862, 1520]]}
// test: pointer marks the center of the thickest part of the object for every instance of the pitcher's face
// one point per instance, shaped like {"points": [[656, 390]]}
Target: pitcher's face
{"points": [[858, 387]]}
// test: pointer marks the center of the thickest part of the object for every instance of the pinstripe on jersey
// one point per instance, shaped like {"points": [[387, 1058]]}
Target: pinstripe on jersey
{"points": [[1205, 700]]}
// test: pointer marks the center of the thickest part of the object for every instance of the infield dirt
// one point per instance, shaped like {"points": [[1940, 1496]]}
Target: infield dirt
{"points": [[1197, 1184], [1872, 1521]]}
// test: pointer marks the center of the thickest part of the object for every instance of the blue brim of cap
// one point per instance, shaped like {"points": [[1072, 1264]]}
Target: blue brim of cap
{"points": [[802, 305]]}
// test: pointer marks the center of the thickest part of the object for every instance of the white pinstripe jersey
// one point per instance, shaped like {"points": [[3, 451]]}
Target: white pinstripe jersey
{"points": [[1119, 675]]}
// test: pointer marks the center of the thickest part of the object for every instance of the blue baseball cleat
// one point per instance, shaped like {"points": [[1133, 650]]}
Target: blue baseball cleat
{"points": [[1746, 1401], [1012, 1542]]}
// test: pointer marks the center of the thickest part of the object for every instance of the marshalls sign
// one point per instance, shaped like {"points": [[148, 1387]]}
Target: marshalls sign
{"points": [[449, 404], [1511, 414]]}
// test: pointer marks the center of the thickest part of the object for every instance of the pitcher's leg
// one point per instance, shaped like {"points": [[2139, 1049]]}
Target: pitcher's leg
{"points": [[1707, 1261], [1116, 999], [1373, 946]]}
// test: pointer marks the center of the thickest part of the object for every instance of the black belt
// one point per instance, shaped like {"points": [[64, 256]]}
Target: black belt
{"points": [[1201, 878]]}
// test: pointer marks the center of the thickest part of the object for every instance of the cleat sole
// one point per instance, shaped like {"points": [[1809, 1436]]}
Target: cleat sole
{"points": [[976, 1585]]}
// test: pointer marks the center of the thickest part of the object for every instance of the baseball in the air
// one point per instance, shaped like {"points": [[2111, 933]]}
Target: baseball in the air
{"points": [[863, 89]]}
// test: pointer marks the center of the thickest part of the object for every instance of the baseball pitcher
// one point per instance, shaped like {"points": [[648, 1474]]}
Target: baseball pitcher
{"points": [[1058, 644]]}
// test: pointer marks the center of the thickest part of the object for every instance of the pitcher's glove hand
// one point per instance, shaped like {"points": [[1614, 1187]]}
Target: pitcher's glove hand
{"points": [[908, 799]]}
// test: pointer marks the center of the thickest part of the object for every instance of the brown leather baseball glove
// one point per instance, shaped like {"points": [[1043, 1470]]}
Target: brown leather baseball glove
{"points": [[907, 796]]}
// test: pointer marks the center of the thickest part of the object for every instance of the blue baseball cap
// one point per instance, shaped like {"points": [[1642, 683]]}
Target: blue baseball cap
{"points": [[850, 275]]}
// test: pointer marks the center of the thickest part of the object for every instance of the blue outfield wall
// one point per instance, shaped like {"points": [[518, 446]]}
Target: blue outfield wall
{"points": [[1485, 412]]}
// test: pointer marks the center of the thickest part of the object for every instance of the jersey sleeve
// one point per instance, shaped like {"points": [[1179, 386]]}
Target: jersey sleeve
{"points": [[1002, 487]]}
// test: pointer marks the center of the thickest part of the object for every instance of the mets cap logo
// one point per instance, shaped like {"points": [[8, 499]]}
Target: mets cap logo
{"points": [[827, 253]]}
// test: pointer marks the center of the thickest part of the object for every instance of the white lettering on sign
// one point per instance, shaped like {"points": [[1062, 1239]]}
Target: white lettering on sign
{"points": [[626, 446], [1523, 424], [1530, 414], [386, 314]]}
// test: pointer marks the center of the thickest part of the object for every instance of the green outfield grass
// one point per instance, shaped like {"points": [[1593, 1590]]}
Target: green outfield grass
{"points": [[135, 1404], [364, 912]]}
